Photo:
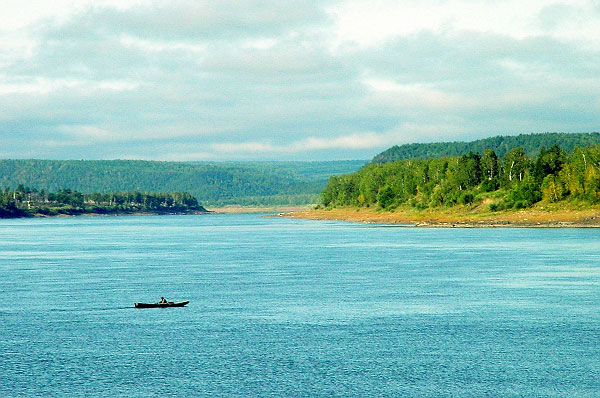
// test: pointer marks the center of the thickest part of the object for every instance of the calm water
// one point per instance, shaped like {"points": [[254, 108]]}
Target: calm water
{"points": [[296, 308]]}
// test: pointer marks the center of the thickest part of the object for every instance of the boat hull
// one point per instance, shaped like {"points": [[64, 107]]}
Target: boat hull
{"points": [[158, 305]]}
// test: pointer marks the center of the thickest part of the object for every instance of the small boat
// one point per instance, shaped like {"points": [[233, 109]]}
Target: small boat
{"points": [[161, 305]]}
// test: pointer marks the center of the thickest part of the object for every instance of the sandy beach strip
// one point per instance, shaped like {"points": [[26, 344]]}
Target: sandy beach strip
{"points": [[535, 217]]}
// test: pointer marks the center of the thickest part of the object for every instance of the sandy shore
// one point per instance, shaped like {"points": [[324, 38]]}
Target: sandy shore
{"points": [[536, 217], [272, 209]]}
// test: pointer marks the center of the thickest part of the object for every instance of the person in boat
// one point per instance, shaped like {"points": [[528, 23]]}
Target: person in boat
{"points": [[162, 301]]}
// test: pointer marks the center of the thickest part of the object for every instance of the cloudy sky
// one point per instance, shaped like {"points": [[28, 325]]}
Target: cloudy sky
{"points": [[297, 80]]}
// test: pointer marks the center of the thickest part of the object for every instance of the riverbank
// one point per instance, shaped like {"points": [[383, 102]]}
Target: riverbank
{"points": [[258, 209], [540, 216], [77, 212]]}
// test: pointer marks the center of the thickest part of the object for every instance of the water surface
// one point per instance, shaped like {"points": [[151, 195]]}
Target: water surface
{"points": [[284, 307]]}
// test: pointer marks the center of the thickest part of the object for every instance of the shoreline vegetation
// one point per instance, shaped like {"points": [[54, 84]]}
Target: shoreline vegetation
{"points": [[497, 186], [555, 188], [215, 184], [27, 202]]}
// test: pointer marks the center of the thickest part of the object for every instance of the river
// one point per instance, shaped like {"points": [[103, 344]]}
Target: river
{"points": [[298, 308]]}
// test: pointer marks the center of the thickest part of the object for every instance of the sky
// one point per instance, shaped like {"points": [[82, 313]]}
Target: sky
{"points": [[224, 80]]}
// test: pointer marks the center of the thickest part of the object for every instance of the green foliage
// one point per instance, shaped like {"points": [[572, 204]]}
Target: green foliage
{"points": [[515, 180], [490, 170], [526, 191], [552, 189], [385, 197], [548, 162], [466, 198], [67, 197], [531, 144], [244, 183], [24, 202], [516, 166], [520, 204]]}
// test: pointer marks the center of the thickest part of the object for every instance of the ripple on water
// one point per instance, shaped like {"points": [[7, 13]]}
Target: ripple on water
{"points": [[296, 308]]}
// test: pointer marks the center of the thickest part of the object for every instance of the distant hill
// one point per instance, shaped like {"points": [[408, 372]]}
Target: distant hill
{"points": [[531, 144], [213, 184]]}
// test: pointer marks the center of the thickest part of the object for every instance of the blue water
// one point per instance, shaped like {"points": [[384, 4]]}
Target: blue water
{"points": [[296, 308]]}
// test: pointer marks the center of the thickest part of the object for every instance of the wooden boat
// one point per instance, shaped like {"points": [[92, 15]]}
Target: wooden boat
{"points": [[159, 305]]}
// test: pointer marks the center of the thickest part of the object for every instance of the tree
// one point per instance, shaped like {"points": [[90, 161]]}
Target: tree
{"points": [[490, 169], [525, 191], [515, 165], [469, 170], [385, 197], [552, 189], [548, 162], [329, 196]]}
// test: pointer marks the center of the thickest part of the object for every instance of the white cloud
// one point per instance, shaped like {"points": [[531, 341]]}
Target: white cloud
{"points": [[372, 23], [82, 135], [161, 46], [425, 96], [46, 86], [237, 79], [259, 44], [17, 14], [366, 140]]}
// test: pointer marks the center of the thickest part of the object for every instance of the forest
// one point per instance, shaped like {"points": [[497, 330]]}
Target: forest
{"points": [[507, 171], [501, 145], [28, 202], [213, 184], [515, 180]]}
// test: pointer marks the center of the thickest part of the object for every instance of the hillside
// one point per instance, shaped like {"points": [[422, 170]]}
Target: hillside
{"points": [[531, 144], [474, 182], [213, 184]]}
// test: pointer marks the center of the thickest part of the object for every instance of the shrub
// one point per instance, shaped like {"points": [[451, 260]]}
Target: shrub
{"points": [[421, 206], [466, 198], [520, 204], [46, 211], [505, 204]]}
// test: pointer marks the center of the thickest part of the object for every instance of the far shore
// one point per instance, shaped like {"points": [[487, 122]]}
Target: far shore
{"points": [[538, 217], [258, 209], [125, 213]]}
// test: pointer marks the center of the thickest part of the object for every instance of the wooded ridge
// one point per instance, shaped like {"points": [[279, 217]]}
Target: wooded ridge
{"points": [[515, 180], [501, 145], [213, 184]]}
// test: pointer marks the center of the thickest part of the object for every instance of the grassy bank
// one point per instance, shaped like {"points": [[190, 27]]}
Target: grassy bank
{"points": [[541, 215]]}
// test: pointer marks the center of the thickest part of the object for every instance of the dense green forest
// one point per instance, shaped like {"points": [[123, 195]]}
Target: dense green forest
{"points": [[298, 183], [27, 202], [531, 144], [515, 180], [214, 184]]}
